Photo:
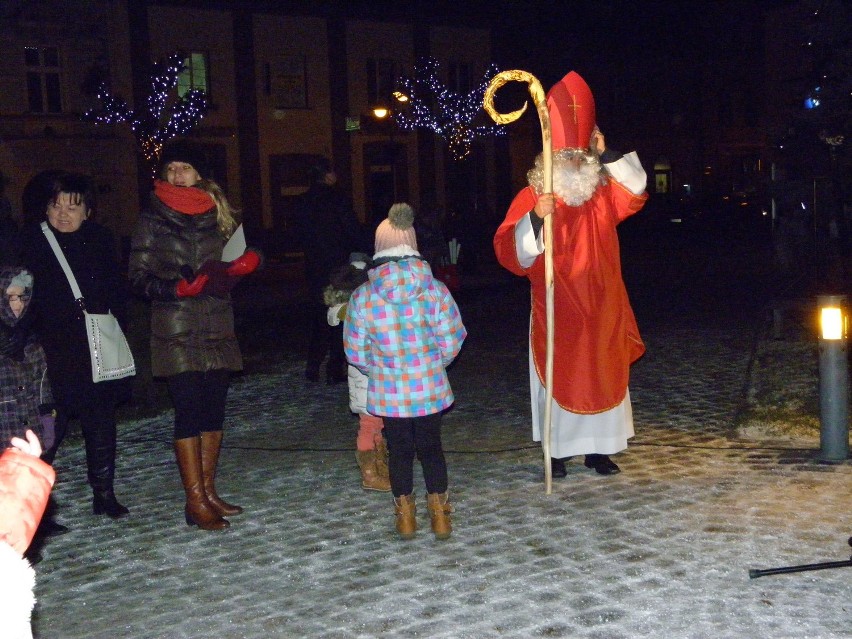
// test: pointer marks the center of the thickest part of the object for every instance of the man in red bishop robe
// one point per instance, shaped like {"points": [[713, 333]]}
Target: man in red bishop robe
{"points": [[596, 338]]}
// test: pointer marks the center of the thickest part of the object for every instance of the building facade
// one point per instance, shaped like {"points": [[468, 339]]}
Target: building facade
{"points": [[286, 82]]}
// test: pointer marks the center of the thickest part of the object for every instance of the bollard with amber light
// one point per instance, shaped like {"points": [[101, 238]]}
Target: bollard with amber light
{"points": [[833, 378]]}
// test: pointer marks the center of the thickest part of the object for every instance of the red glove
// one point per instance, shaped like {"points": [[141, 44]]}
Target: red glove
{"points": [[193, 288], [245, 264]]}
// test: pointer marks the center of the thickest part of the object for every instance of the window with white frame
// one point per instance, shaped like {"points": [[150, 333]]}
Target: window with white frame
{"points": [[195, 76], [44, 93]]}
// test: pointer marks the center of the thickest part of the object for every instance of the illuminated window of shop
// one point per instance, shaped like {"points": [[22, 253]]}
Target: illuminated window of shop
{"points": [[194, 77], [662, 176]]}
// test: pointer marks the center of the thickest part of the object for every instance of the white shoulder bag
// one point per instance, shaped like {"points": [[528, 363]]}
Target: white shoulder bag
{"points": [[108, 347]]}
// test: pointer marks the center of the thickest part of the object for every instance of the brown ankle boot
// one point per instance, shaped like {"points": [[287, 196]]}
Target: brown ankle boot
{"points": [[211, 444], [371, 479], [382, 458], [198, 511], [440, 508], [406, 509]]}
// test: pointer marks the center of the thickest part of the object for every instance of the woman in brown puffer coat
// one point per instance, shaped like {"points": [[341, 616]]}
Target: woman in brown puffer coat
{"points": [[175, 262]]}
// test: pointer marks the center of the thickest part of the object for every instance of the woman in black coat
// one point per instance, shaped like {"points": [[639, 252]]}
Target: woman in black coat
{"points": [[90, 251]]}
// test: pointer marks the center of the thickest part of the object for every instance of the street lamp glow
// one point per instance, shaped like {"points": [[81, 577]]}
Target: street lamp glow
{"points": [[381, 112], [833, 379], [831, 322]]}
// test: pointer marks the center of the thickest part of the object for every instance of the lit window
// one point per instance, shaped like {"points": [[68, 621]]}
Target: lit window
{"points": [[43, 86], [194, 75]]}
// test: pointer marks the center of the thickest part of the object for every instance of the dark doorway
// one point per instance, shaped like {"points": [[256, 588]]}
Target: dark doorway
{"points": [[288, 179], [385, 179]]}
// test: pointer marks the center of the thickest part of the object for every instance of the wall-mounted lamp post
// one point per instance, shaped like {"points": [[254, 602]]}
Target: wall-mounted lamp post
{"points": [[833, 378], [381, 112]]}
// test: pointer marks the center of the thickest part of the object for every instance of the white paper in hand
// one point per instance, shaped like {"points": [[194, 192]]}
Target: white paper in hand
{"points": [[236, 246]]}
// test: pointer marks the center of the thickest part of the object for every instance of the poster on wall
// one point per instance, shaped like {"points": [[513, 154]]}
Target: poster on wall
{"points": [[288, 83]]}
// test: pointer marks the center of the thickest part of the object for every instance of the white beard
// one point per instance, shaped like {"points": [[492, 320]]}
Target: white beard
{"points": [[572, 185]]}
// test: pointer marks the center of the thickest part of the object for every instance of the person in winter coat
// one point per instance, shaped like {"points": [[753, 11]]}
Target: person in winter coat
{"points": [[402, 330], [329, 231], [25, 484], [60, 325], [25, 397], [370, 447], [175, 262]]}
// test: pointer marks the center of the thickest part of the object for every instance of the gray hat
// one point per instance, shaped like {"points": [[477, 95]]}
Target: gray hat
{"points": [[23, 279]]}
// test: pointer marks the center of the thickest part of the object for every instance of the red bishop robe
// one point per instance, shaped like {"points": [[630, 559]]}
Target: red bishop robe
{"points": [[595, 333]]}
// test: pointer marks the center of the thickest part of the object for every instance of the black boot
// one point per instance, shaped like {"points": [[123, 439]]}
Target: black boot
{"points": [[557, 468], [48, 526], [105, 503], [100, 458], [602, 464]]}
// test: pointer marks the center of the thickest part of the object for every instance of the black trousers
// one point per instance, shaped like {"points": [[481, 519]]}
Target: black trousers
{"points": [[324, 340], [420, 436], [199, 399], [97, 423]]}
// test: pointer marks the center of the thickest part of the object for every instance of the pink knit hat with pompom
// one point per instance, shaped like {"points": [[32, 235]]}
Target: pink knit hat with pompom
{"points": [[397, 229]]}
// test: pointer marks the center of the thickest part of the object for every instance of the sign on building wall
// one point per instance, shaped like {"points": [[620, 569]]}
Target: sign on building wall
{"points": [[287, 82]]}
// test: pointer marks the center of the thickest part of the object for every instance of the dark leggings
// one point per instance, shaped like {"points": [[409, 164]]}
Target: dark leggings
{"points": [[199, 401], [410, 436]]}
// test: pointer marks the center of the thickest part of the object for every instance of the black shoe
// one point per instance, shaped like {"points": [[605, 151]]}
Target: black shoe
{"points": [[602, 464], [557, 468], [105, 503], [49, 528]]}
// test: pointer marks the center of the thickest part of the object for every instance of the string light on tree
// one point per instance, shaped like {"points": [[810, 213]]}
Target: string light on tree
{"points": [[163, 115], [432, 105]]}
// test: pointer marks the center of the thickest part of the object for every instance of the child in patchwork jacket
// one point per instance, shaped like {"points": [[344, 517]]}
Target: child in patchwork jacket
{"points": [[371, 450], [402, 330]]}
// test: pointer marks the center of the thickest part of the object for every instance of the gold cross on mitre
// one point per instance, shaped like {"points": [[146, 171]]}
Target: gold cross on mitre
{"points": [[574, 105]]}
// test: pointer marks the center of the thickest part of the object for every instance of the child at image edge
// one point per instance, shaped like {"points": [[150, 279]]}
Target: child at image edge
{"points": [[402, 330], [370, 448]]}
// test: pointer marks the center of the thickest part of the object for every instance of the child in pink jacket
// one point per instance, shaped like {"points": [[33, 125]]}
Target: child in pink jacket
{"points": [[25, 485]]}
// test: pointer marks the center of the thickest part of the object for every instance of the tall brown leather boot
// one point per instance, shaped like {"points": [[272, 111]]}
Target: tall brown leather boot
{"points": [[439, 512], [370, 477], [406, 509], [211, 443], [199, 512]]}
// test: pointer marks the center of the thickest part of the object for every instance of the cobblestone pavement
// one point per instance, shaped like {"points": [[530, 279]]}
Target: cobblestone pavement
{"points": [[661, 550]]}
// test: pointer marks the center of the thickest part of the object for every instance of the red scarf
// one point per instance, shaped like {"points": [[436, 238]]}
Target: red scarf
{"points": [[187, 200]]}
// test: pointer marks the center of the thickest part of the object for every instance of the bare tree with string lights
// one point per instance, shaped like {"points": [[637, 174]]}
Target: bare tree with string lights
{"points": [[432, 105], [163, 114]]}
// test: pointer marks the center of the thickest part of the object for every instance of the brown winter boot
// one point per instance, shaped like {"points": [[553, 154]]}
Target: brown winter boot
{"points": [[382, 458], [370, 477], [440, 508], [199, 512], [211, 443], [406, 509]]}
